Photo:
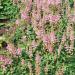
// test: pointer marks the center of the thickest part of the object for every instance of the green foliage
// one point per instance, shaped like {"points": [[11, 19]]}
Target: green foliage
{"points": [[17, 36], [71, 2], [7, 9], [30, 33]]}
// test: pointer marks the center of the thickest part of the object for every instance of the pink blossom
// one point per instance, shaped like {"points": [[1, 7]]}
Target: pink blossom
{"points": [[57, 2], [11, 49], [46, 38], [5, 60], [47, 17], [34, 44], [39, 4], [38, 58], [19, 50], [50, 48], [37, 63], [54, 2], [52, 37], [52, 18], [24, 15], [39, 33], [72, 18], [55, 18], [47, 42]]}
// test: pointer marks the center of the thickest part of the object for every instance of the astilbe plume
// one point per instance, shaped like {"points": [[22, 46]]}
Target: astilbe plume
{"points": [[18, 51], [25, 12], [52, 18], [37, 63], [71, 39], [54, 2], [52, 37], [24, 15], [63, 39], [48, 40], [13, 51], [34, 44], [5, 61], [30, 51], [38, 22]]}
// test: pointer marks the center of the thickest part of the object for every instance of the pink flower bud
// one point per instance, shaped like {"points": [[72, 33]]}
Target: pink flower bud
{"points": [[55, 18], [52, 37], [5, 60], [24, 15], [46, 38], [19, 50], [52, 18], [47, 42], [50, 48], [54, 2], [11, 49]]}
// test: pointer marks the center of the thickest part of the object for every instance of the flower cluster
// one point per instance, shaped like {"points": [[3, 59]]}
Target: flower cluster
{"points": [[49, 39], [5, 60], [54, 2], [13, 50], [52, 18]]}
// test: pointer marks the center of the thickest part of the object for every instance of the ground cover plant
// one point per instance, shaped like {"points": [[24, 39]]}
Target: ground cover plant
{"points": [[37, 37]]}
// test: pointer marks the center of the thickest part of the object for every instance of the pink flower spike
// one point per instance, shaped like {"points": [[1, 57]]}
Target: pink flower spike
{"points": [[55, 18], [24, 15], [19, 50], [11, 49], [46, 38], [52, 37], [5, 60], [50, 48], [51, 2], [52, 18], [54, 2], [57, 2]]}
